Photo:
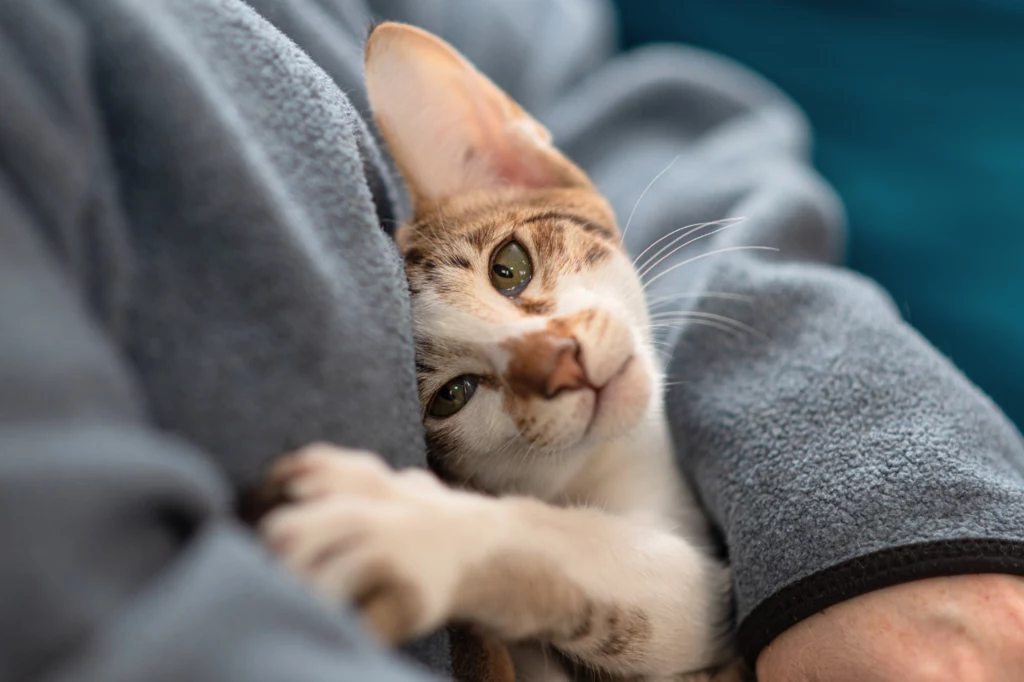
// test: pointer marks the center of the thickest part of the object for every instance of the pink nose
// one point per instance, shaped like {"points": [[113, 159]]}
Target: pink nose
{"points": [[544, 365]]}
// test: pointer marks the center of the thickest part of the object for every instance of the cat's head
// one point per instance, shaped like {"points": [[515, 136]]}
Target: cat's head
{"points": [[531, 330]]}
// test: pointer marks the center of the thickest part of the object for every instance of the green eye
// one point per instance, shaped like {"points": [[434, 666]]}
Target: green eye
{"points": [[453, 396], [511, 269]]}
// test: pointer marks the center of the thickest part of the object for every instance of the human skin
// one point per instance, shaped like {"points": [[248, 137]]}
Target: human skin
{"points": [[960, 628]]}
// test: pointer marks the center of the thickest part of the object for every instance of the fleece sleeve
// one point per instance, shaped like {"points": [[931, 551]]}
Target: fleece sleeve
{"points": [[120, 561], [838, 451]]}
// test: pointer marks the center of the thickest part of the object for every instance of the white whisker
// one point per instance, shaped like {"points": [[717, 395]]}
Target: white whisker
{"points": [[524, 459], [650, 268], [642, 194], [661, 300], [689, 228], [706, 255], [692, 314], [707, 323]]}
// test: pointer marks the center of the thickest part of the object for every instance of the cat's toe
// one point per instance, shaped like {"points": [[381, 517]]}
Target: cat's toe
{"points": [[321, 469]]}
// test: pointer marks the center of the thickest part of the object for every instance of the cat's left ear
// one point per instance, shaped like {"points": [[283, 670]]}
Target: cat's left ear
{"points": [[450, 129]]}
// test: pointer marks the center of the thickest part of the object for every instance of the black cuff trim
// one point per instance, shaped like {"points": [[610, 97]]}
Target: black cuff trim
{"points": [[872, 572]]}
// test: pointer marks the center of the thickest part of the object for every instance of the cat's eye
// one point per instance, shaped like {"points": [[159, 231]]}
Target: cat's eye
{"points": [[511, 269], [453, 396]]}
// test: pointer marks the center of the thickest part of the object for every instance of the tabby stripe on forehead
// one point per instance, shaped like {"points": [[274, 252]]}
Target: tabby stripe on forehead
{"points": [[426, 348], [414, 256], [587, 225], [479, 238], [456, 260]]}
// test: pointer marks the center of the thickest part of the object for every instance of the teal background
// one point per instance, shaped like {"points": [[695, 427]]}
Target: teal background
{"points": [[918, 113]]}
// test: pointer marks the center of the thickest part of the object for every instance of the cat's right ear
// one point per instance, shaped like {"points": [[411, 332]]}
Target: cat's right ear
{"points": [[449, 128]]}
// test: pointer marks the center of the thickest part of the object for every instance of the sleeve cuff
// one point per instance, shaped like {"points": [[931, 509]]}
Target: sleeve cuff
{"points": [[884, 568]]}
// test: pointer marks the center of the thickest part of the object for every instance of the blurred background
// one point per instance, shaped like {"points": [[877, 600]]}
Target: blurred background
{"points": [[918, 115]]}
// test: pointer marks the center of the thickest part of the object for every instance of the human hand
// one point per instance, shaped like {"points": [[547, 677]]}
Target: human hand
{"points": [[961, 628]]}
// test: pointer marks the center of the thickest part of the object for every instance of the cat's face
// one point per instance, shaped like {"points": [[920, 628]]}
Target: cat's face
{"points": [[531, 330]]}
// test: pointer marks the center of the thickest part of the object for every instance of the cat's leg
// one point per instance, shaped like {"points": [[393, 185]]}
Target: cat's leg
{"points": [[625, 598]]}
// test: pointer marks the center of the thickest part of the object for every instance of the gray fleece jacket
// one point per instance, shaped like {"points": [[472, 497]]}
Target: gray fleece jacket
{"points": [[196, 276]]}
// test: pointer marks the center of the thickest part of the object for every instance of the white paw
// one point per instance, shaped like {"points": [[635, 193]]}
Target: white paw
{"points": [[393, 543]]}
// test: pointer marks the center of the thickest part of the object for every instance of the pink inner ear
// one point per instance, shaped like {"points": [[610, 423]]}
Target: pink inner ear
{"points": [[521, 172], [519, 165], [449, 128], [508, 144]]}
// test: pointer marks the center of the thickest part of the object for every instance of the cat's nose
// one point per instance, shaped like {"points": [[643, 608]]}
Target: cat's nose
{"points": [[545, 365]]}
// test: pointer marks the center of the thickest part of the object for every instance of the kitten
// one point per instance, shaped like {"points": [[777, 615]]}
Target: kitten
{"points": [[539, 387]]}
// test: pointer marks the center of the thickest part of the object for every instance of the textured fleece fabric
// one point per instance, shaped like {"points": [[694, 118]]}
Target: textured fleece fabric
{"points": [[195, 276]]}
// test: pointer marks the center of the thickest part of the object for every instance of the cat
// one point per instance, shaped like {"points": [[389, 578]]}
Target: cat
{"points": [[565, 526]]}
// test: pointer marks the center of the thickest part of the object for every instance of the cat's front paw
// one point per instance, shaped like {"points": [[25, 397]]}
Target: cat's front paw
{"points": [[393, 543]]}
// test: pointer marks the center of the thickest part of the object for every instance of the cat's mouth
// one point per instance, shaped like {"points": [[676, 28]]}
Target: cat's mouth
{"points": [[605, 394]]}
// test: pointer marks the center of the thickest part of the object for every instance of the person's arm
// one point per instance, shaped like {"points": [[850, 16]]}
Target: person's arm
{"points": [[120, 559], [840, 453], [968, 628]]}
